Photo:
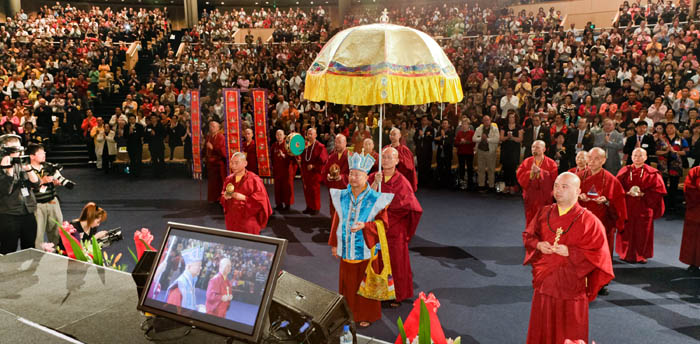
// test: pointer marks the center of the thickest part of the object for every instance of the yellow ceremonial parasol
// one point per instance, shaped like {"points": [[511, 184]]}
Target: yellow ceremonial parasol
{"points": [[382, 64]]}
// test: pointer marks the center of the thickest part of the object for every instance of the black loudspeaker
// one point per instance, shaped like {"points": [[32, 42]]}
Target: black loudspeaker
{"points": [[143, 269], [320, 312]]}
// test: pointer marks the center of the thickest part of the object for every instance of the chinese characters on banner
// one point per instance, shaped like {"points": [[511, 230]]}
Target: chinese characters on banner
{"points": [[261, 142], [232, 113], [196, 135]]}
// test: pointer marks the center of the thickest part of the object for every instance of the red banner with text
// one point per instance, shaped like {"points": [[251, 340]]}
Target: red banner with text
{"points": [[261, 141], [232, 114], [196, 135]]}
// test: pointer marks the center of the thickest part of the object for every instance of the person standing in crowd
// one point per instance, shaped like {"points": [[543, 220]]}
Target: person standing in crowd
{"points": [[219, 290], [215, 154], [579, 139], [313, 158], [690, 244], [284, 167], [511, 136], [486, 137], [536, 177], [644, 196], [538, 130], [134, 145], [244, 198], [674, 150], [335, 171], [465, 154], [360, 210], [48, 209], [406, 165], [603, 195], [17, 203], [424, 138], [560, 153], [444, 138], [250, 150], [610, 140], [89, 122], [175, 132], [97, 133], [155, 136], [404, 213], [566, 246], [641, 140]]}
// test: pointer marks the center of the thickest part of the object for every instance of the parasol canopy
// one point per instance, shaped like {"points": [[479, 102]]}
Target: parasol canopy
{"points": [[380, 64]]}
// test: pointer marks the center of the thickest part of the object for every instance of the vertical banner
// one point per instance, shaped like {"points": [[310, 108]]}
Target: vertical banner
{"points": [[232, 117], [196, 135], [261, 142]]}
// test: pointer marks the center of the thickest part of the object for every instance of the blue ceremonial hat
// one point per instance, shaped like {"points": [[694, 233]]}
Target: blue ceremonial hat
{"points": [[362, 162], [192, 255]]}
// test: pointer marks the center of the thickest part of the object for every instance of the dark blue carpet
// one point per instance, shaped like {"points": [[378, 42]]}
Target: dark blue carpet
{"points": [[467, 250]]}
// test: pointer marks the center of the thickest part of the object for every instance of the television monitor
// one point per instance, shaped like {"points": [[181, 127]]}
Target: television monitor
{"points": [[216, 280]]}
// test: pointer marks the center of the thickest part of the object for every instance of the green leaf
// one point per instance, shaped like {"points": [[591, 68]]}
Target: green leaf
{"points": [[133, 255], [77, 251], [402, 331], [96, 252], [424, 328]]}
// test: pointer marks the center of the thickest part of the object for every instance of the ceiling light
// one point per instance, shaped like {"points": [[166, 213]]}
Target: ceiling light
{"points": [[222, 2]]}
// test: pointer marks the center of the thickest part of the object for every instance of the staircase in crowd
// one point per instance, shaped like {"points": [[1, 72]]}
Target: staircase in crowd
{"points": [[69, 155]]}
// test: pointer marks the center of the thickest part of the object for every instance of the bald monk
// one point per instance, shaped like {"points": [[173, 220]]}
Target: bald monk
{"points": [[644, 196], [368, 148], [335, 171], [406, 165], [247, 207], [215, 153], [313, 158], [404, 213], [581, 162], [603, 195], [570, 258], [536, 176], [250, 150], [284, 167]]}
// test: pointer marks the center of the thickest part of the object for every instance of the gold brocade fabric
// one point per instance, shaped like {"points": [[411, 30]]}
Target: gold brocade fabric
{"points": [[382, 63], [379, 286]]}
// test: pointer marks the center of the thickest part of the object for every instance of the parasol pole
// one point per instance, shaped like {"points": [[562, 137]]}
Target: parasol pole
{"points": [[442, 107], [381, 130]]}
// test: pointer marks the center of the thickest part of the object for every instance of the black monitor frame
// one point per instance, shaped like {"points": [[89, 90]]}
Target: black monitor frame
{"points": [[281, 246]]}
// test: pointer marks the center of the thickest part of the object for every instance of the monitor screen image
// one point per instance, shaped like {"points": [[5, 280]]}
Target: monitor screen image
{"points": [[218, 280]]}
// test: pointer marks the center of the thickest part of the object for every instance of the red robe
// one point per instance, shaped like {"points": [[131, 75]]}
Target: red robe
{"points": [[341, 183], [636, 241], [251, 156], [406, 165], [613, 215], [174, 297], [352, 273], [690, 245], [315, 156], [404, 213], [537, 192], [218, 286], [284, 168], [249, 216], [563, 286], [216, 165]]}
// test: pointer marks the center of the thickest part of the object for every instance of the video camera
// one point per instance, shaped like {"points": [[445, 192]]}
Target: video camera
{"points": [[113, 235], [19, 160], [54, 170]]}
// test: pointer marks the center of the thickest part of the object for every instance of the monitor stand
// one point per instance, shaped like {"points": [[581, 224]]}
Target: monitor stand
{"points": [[155, 326]]}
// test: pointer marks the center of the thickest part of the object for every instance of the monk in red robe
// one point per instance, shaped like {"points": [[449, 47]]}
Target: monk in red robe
{"points": [[690, 245], [215, 152], [406, 165], [536, 176], [603, 195], [404, 213], [284, 167], [250, 150], [335, 171], [368, 148], [247, 206], [219, 290], [581, 163], [312, 161], [644, 195], [352, 236], [570, 258]]}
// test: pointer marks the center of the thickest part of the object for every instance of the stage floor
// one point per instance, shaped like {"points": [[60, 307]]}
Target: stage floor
{"points": [[467, 251]]}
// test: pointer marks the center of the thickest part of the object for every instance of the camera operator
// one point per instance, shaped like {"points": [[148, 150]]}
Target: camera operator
{"points": [[17, 203], [48, 207]]}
